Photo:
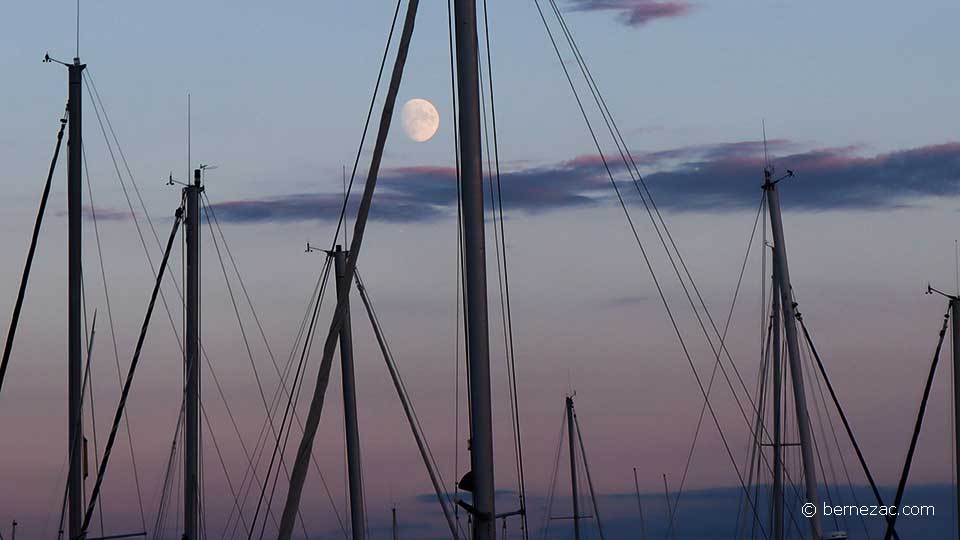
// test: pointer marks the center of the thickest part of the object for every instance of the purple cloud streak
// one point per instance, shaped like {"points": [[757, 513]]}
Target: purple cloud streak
{"points": [[719, 177], [635, 12]]}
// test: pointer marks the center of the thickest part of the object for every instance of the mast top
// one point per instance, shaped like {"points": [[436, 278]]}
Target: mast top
{"points": [[768, 182], [933, 290], [47, 59]]}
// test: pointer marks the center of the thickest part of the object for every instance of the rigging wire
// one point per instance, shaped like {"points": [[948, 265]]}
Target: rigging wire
{"points": [[167, 479], [653, 212], [836, 439], [275, 401], [263, 336], [432, 466], [580, 464], [830, 499], [758, 441], [106, 125], [790, 413], [304, 450], [63, 508], [180, 474], [461, 315], [308, 340], [713, 373], [548, 510], [93, 500], [642, 249], [294, 491], [645, 255], [657, 222], [757, 447], [308, 347], [279, 393], [286, 438], [98, 108], [11, 333], [216, 244], [892, 520], [243, 287], [503, 277], [260, 447], [21, 293], [133, 366], [586, 469], [755, 439], [808, 370], [85, 384], [843, 416], [113, 335], [236, 311], [211, 218], [223, 465], [366, 125], [89, 334]]}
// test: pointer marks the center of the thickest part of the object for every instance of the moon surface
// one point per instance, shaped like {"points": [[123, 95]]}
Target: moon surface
{"points": [[420, 119]]}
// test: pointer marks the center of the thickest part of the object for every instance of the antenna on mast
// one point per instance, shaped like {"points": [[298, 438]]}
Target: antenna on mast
{"points": [[189, 162], [956, 265], [763, 127]]}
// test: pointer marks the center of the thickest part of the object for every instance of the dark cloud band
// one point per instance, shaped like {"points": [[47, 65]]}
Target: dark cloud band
{"points": [[719, 177]]}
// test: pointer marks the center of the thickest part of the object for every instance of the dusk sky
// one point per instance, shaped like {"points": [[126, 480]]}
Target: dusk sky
{"points": [[858, 98]]}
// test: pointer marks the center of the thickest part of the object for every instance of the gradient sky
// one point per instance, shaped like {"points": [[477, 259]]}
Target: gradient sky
{"points": [[859, 98]]}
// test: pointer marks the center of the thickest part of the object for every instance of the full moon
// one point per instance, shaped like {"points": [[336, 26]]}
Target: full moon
{"points": [[420, 119]]}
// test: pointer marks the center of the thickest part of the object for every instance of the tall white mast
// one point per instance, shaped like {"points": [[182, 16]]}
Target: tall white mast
{"points": [[782, 274]]}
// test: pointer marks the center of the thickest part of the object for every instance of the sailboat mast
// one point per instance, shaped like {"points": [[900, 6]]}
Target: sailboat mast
{"points": [[643, 525], [357, 521], [475, 269], [955, 334], [574, 488], [793, 351], [191, 498], [396, 530], [74, 285], [777, 414]]}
